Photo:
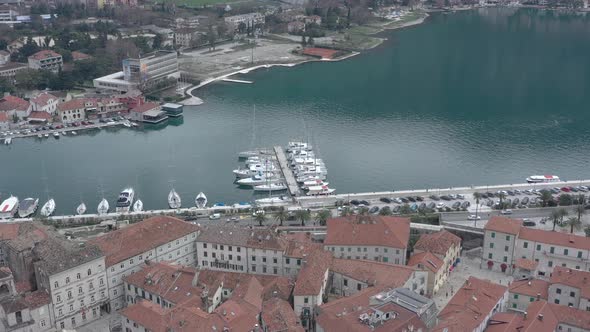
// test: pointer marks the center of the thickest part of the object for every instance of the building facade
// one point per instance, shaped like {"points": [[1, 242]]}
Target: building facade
{"points": [[570, 287], [46, 60], [45, 102], [151, 67]]}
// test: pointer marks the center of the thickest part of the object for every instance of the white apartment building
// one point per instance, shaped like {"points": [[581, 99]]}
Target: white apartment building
{"points": [[155, 239], [75, 279], [570, 287], [499, 243], [45, 102], [250, 20], [526, 291], [46, 60], [379, 238]]}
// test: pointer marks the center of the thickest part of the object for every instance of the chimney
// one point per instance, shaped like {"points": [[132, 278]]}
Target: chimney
{"points": [[195, 279], [540, 317], [525, 314], [538, 296]]}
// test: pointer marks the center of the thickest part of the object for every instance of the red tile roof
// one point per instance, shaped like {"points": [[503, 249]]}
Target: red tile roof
{"points": [[40, 115], [470, 305], [503, 225], [311, 276], [392, 232], [274, 286], [371, 272], [555, 238], [532, 288], [506, 322], [145, 107], [77, 56], [11, 103], [573, 278], [438, 243], [44, 54], [8, 231], [73, 104], [571, 316], [43, 99], [526, 264], [37, 299], [141, 237], [343, 315], [427, 260], [278, 316]]}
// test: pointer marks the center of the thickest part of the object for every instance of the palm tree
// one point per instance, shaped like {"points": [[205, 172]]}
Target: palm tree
{"points": [[580, 210], [573, 223], [260, 218], [545, 197], [303, 216], [281, 215], [555, 215], [322, 217], [477, 197], [562, 214], [501, 196]]}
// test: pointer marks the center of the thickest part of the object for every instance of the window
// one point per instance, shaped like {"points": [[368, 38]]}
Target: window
{"points": [[62, 325], [78, 276], [556, 301], [359, 286], [505, 259], [263, 269], [493, 234], [507, 237], [101, 281], [490, 256], [558, 291], [205, 254], [345, 282], [275, 270], [254, 258], [579, 254], [288, 260], [43, 323], [491, 245], [69, 295], [239, 258], [71, 307], [538, 247], [306, 300], [263, 259], [221, 247], [274, 260], [299, 262], [204, 245], [552, 250], [131, 261], [385, 259], [79, 290], [514, 305], [67, 280], [253, 268], [376, 249], [58, 297], [525, 245], [239, 249], [73, 321], [565, 252], [572, 294], [516, 296], [532, 299], [91, 298], [550, 263], [229, 248], [506, 248]]}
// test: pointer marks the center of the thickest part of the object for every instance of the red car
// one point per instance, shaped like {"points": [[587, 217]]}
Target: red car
{"points": [[565, 189]]}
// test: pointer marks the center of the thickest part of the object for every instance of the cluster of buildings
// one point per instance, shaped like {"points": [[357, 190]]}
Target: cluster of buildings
{"points": [[165, 274]]}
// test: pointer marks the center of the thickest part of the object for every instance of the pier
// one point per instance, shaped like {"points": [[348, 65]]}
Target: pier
{"points": [[287, 172], [236, 81]]}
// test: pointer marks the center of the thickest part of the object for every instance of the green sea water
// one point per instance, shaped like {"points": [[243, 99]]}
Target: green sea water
{"points": [[473, 98]]}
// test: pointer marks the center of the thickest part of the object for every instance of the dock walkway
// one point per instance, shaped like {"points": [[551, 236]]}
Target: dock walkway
{"points": [[287, 172], [233, 80]]}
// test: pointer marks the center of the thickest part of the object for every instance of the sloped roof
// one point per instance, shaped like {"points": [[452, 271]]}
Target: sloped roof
{"points": [[43, 99], [530, 288], [11, 103], [392, 232], [44, 54], [555, 238], [374, 273], [504, 225], [278, 316], [426, 259], [437, 243], [573, 278], [311, 276]]}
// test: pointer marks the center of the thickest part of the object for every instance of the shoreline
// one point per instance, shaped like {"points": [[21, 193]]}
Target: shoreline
{"points": [[385, 27]]}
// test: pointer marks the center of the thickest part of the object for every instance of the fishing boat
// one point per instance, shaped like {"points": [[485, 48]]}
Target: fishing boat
{"points": [[81, 209], [174, 201], [48, 208], [27, 207], [319, 190], [138, 206], [257, 180], [271, 187], [103, 207], [125, 200], [542, 179], [9, 207], [201, 200]]}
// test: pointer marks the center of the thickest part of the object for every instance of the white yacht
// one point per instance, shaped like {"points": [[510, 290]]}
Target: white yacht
{"points": [[542, 179], [8, 140], [8, 207], [125, 200], [319, 190], [314, 183], [73, 132], [282, 200], [48, 208], [103, 207], [81, 209], [253, 170], [293, 146], [257, 180], [254, 153], [174, 201], [271, 187], [27, 207], [304, 178], [56, 134], [138, 206], [201, 200]]}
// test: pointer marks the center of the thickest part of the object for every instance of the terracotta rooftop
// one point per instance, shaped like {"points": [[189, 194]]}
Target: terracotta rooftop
{"points": [[37, 299], [40, 115], [300, 245], [8, 231], [3, 116], [311, 276], [555, 238], [10, 103], [278, 316], [438, 243], [57, 255], [573, 278], [532, 288], [273, 286], [141, 237], [374, 273], [470, 305], [426, 260], [43, 99], [503, 225], [77, 56], [73, 104], [44, 54], [239, 236], [571, 316], [514, 322], [343, 315], [145, 107], [526, 264], [392, 232]]}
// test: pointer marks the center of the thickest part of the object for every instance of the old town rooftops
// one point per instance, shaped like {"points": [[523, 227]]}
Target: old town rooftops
{"points": [[393, 232]]}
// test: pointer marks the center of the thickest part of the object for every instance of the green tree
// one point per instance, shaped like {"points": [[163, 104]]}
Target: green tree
{"points": [[346, 211], [260, 218], [211, 38], [281, 215], [405, 209], [555, 215], [501, 196], [157, 42], [6, 86], [385, 211], [322, 217], [565, 200], [562, 214], [477, 197], [580, 210], [573, 223], [587, 231], [302, 216], [310, 40], [546, 197]]}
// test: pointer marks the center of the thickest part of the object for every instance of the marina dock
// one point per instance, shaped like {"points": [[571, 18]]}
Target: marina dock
{"points": [[236, 81], [287, 172]]}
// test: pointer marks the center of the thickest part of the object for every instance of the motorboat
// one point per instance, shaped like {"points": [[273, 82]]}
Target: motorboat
{"points": [[46, 135], [63, 133], [201, 200], [103, 207], [304, 178], [257, 180], [127, 124], [319, 190], [271, 187], [73, 132], [56, 134], [281, 200], [81, 209], [293, 146], [27, 207], [9, 207], [138, 206], [48, 208], [174, 201], [542, 179], [311, 183], [125, 200], [253, 153], [39, 136], [249, 172], [8, 140], [242, 206]]}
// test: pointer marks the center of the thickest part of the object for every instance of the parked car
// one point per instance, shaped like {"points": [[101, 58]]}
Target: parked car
{"points": [[506, 212], [385, 200], [473, 217]]}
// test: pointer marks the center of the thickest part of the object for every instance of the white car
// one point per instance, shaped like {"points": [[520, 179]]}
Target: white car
{"points": [[440, 205], [473, 217], [505, 212], [460, 196], [215, 216]]}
